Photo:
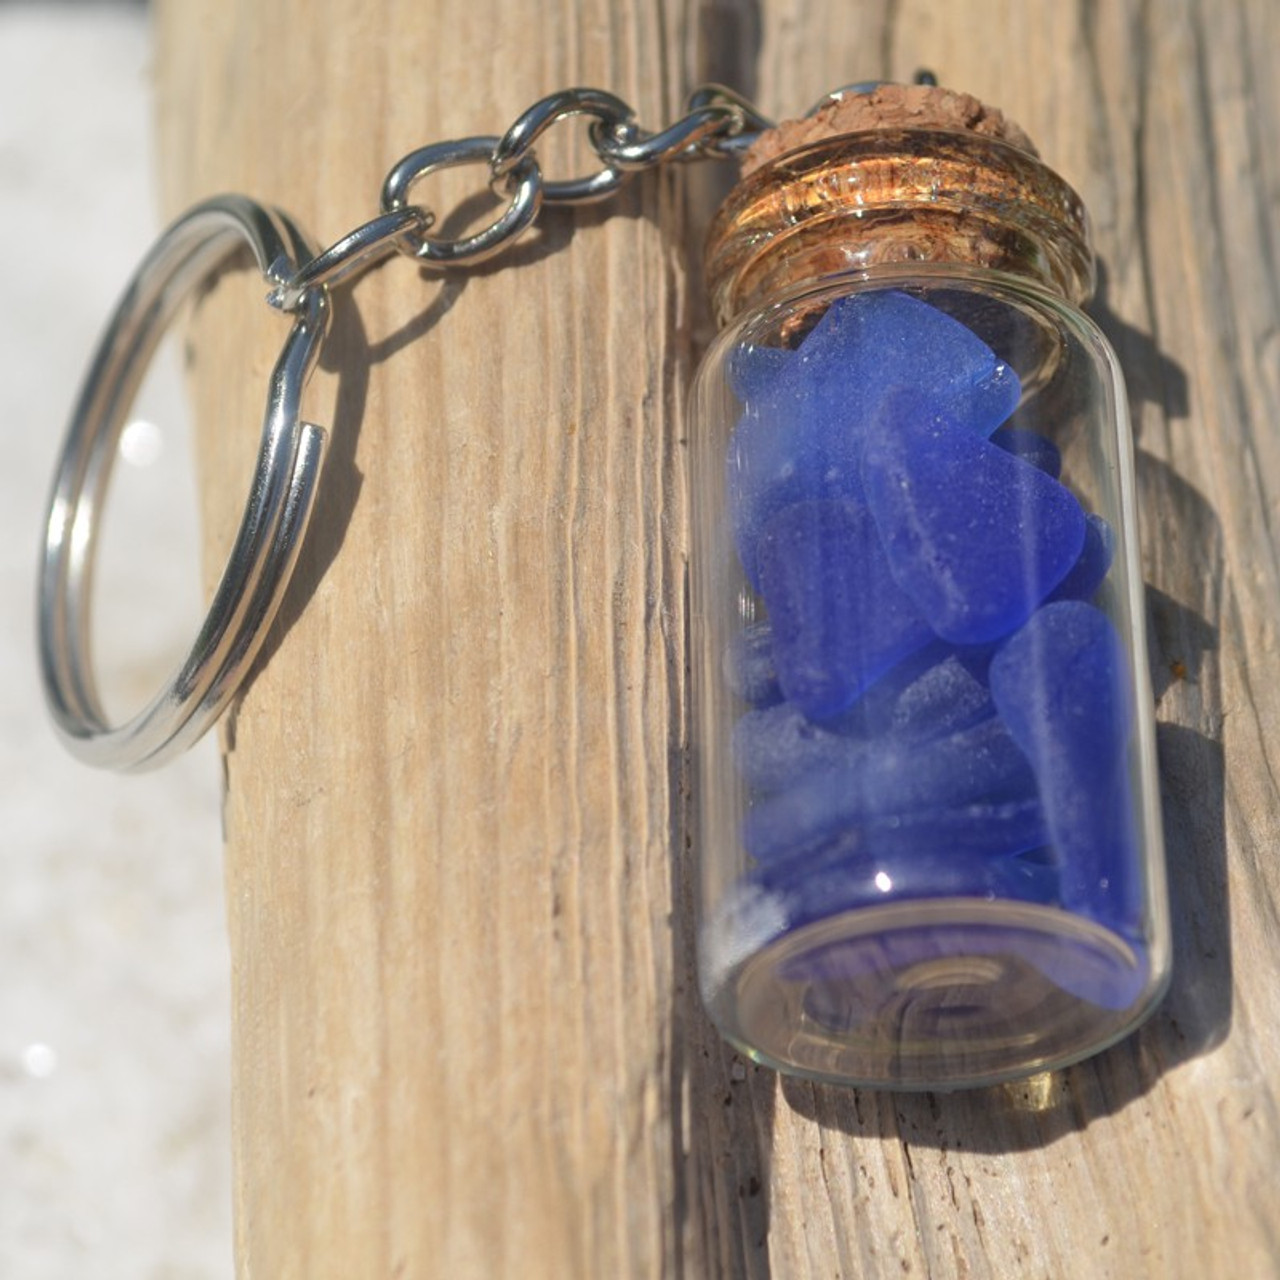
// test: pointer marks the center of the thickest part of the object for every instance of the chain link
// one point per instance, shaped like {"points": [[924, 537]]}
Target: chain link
{"points": [[717, 123], [516, 145], [357, 251], [525, 181]]}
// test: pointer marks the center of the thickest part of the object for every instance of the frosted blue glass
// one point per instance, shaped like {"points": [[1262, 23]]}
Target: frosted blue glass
{"points": [[805, 412], [1062, 686], [839, 619], [975, 536]]}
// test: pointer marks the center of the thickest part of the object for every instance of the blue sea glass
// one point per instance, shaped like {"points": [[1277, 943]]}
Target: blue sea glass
{"points": [[805, 412], [935, 692], [948, 853], [1031, 447], [753, 369], [887, 777], [933, 710], [931, 694], [1089, 571], [779, 746], [839, 619], [975, 536], [1062, 687]]}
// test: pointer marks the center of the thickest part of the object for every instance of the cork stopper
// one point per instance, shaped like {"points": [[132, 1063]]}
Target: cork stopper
{"points": [[893, 176], [888, 106]]}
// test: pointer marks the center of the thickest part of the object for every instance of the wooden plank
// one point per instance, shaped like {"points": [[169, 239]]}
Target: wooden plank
{"points": [[467, 1040]]}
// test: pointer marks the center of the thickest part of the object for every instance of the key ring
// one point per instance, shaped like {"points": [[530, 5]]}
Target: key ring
{"points": [[279, 504]]}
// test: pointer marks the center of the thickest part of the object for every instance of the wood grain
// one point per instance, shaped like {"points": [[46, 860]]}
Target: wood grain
{"points": [[467, 1041]]}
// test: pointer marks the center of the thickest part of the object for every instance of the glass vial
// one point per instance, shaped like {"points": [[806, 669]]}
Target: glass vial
{"points": [[927, 815]]}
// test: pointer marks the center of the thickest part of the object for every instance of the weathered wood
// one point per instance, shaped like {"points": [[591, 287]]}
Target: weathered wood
{"points": [[467, 1041]]}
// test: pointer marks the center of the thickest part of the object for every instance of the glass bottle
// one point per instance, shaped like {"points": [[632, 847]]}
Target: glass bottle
{"points": [[927, 818]]}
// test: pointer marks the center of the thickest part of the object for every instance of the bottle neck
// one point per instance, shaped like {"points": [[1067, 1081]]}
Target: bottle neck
{"points": [[896, 196]]}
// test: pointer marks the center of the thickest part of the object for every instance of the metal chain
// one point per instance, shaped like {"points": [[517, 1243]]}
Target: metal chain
{"points": [[717, 123], [282, 496]]}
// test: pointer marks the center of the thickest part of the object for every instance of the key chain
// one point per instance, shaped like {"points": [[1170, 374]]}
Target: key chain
{"points": [[927, 822]]}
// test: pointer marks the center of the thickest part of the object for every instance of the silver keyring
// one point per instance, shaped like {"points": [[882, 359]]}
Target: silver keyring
{"points": [[279, 504]]}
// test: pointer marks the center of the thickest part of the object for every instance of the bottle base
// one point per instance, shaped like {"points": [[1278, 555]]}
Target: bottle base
{"points": [[944, 994]]}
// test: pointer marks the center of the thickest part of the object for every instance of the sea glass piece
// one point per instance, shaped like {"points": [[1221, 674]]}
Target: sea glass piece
{"points": [[779, 746], [929, 695], [1088, 572], [929, 699], [1061, 686], [974, 535], [839, 619], [753, 369], [1031, 447], [963, 850], [800, 434], [982, 763]]}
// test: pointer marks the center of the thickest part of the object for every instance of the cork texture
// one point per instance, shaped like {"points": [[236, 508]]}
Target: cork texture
{"points": [[888, 106]]}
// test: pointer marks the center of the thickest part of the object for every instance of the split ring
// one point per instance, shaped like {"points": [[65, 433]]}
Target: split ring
{"points": [[279, 505]]}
